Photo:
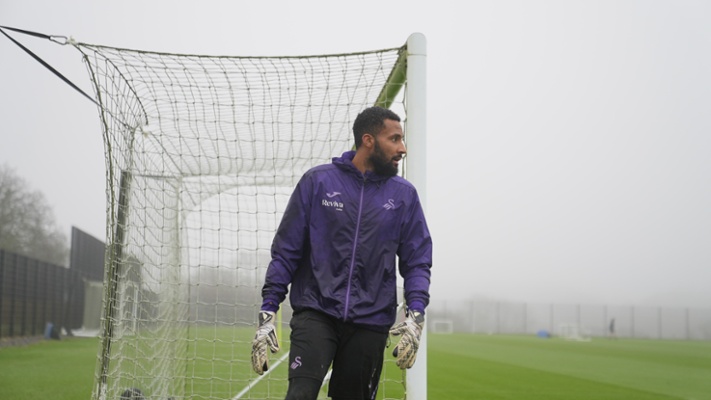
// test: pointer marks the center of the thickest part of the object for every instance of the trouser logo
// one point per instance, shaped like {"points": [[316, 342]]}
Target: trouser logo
{"points": [[297, 363]]}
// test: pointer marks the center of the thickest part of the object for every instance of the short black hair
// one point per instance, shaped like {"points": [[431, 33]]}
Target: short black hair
{"points": [[371, 120]]}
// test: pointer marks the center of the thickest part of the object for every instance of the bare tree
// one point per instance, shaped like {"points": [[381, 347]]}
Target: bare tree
{"points": [[27, 223]]}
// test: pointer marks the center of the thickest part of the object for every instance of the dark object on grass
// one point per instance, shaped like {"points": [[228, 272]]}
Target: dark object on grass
{"points": [[132, 394]]}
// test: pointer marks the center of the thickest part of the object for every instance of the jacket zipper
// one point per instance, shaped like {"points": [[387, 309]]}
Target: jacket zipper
{"points": [[353, 254]]}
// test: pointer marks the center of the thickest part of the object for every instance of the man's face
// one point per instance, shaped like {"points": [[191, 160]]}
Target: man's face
{"points": [[389, 149]]}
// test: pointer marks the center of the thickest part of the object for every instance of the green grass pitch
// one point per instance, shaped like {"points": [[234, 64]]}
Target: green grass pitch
{"points": [[527, 367], [461, 366]]}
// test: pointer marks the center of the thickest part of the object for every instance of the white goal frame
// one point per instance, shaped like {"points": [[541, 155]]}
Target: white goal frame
{"points": [[442, 326], [416, 99], [123, 274], [572, 332]]}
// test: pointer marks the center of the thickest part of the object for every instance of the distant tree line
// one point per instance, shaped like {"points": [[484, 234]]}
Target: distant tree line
{"points": [[27, 222]]}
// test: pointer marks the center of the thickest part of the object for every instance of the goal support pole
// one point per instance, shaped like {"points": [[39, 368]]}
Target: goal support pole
{"points": [[112, 276], [416, 128]]}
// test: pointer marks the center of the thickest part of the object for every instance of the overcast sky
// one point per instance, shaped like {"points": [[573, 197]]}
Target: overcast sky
{"points": [[569, 142]]}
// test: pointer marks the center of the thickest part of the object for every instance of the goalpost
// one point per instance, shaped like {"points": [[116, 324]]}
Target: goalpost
{"points": [[443, 326], [202, 153], [572, 332]]}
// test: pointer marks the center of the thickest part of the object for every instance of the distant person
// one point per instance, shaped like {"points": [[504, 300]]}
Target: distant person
{"points": [[348, 229], [612, 328]]}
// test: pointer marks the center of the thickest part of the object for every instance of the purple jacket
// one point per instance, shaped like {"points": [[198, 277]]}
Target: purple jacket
{"points": [[338, 241]]}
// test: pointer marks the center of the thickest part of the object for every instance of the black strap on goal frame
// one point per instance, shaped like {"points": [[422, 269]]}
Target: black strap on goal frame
{"points": [[57, 39]]}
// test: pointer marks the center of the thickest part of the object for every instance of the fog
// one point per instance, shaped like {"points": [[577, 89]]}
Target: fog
{"points": [[568, 142]]}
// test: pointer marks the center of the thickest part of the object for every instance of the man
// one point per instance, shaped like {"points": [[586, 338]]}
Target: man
{"points": [[336, 246]]}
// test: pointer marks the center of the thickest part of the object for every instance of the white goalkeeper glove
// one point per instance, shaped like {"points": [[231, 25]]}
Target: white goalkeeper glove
{"points": [[265, 336], [410, 329]]}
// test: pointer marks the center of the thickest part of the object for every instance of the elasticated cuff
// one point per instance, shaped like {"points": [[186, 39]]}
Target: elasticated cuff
{"points": [[417, 306]]}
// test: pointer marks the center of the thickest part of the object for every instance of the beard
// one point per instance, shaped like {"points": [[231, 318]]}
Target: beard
{"points": [[382, 165]]}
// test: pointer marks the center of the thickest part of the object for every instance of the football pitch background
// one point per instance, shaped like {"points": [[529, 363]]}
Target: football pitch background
{"points": [[461, 366]]}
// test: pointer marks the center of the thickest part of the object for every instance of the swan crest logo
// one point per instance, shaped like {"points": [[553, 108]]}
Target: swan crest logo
{"points": [[390, 205], [297, 363]]}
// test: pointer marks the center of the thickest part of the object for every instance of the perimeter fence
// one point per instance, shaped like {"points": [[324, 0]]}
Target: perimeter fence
{"points": [[644, 322], [34, 294]]}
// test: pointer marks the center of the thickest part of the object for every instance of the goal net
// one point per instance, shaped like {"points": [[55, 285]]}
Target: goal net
{"points": [[445, 326], [573, 332], [202, 154]]}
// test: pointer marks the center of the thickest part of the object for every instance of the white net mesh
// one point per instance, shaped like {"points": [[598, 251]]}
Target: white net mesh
{"points": [[202, 154]]}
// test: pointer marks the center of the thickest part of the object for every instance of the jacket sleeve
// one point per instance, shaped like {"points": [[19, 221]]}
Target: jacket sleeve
{"points": [[415, 257], [288, 246]]}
